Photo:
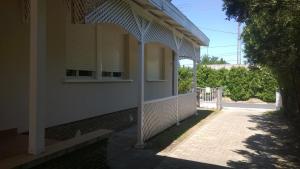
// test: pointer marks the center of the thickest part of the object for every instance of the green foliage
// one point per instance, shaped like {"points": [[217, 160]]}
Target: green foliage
{"points": [[207, 60], [263, 84], [185, 79], [240, 83], [210, 77], [272, 38]]}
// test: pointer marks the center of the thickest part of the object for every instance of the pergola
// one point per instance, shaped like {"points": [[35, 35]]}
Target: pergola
{"points": [[148, 21]]}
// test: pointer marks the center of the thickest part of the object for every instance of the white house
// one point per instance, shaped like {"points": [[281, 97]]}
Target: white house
{"points": [[67, 60]]}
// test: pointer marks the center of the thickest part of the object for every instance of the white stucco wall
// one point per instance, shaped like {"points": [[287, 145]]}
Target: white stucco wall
{"points": [[14, 59], [66, 102]]}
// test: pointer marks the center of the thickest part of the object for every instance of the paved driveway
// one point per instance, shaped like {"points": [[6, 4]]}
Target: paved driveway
{"points": [[249, 105], [235, 138]]}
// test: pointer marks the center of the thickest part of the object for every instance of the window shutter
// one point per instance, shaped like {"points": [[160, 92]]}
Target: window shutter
{"points": [[81, 47], [155, 62], [113, 48]]}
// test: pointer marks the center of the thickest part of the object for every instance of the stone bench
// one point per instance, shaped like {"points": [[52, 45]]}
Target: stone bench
{"points": [[56, 150]]}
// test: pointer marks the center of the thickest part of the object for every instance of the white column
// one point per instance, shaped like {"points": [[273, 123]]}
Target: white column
{"points": [[176, 67], [278, 100], [195, 80], [219, 98], [141, 65], [37, 80], [194, 76]]}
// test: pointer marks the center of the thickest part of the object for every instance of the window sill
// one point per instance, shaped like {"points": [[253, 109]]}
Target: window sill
{"points": [[156, 80], [97, 81]]}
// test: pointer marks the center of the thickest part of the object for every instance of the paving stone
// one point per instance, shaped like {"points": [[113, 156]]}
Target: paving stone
{"points": [[227, 141]]}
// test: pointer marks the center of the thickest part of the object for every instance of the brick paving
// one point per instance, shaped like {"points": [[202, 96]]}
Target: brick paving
{"points": [[235, 138]]}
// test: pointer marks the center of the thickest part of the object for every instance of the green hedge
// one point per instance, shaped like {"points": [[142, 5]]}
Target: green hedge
{"points": [[185, 80], [239, 83]]}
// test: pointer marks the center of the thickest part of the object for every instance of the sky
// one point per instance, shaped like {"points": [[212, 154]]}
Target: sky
{"points": [[209, 17]]}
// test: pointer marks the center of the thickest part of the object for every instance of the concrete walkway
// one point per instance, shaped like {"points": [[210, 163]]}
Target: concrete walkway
{"points": [[235, 138], [232, 138]]}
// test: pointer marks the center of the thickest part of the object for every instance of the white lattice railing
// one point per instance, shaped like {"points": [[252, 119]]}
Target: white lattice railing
{"points": [[159, 115], [187, 105], [162, 113]]}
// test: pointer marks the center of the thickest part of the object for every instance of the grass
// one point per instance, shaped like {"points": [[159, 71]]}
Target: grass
{"points": [[175, 133]]}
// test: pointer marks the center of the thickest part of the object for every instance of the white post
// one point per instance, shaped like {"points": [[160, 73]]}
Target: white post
{"points": [[194, 75], [141, 58], [176, 67], [195, 80], [278, 101], [219, 98], [37, 80]]}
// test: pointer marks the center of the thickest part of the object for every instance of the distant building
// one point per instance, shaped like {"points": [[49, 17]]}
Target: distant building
{"points": [[226, 66]]}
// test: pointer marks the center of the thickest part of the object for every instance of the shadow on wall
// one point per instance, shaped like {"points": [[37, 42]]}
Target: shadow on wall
{"points": [[278, 148]]}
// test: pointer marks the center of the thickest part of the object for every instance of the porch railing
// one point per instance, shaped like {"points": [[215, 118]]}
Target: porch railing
{"points": [[159, 115], [163, 113], [187, 105]]}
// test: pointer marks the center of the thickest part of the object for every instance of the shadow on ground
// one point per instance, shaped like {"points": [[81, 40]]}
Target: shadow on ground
{"points": [[173, 163], [122, 155], [277, 147], [89, 157], [167, 137], [118, 152]]}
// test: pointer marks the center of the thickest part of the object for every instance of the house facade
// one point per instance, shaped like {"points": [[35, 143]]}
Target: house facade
{"points": [[67, 60]]}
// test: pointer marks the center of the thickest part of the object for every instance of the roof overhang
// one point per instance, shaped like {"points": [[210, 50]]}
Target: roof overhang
{"points": [[171, 15]]}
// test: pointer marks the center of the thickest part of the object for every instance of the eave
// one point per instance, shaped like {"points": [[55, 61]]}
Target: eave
{"points": [[167, 12]]}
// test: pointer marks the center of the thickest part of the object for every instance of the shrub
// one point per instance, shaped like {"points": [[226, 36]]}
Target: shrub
{"points": [[185, 79], [240, 83]]}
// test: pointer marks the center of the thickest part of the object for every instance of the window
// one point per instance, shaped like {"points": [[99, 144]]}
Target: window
{"points": [[155, 61], [96, 52], [113, 42], [80, 74]]}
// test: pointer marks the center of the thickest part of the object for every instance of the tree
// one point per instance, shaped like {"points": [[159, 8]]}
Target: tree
{"points": [[207, 60], [272, 38]]}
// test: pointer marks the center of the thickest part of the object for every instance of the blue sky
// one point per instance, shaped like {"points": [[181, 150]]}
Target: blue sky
{"points": [[210, 18]]}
